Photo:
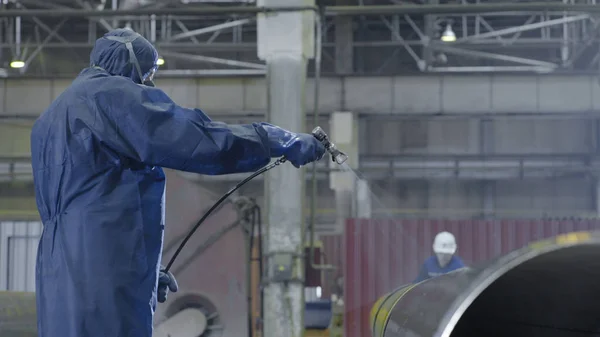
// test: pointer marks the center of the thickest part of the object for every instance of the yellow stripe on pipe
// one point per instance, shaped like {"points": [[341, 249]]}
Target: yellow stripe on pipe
{"points": [[573, 237], [562, 239], [382, 309]]}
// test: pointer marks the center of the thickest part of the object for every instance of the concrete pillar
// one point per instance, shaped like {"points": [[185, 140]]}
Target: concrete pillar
{"points": [[430, 31], [285, 42], [489, 199], [344, 42], [486, 137], [344, 133]]}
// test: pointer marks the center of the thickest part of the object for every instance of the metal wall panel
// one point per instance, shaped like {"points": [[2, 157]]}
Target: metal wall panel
{"points": [[381, 255], [464, 136], [369, 94], [330, 92], [570, 195], [255, 94], [58, 86], [451, 195], [18, 249], [230, 90], [553, 91], [184, 92], [462, 93], [334, 255], [539, 136], [510, 94], [19, 93], [422, 94], [15, 139], [417, 94]]}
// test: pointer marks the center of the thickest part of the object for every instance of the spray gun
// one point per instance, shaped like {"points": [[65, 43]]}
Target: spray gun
{"points": [[336, 155]]}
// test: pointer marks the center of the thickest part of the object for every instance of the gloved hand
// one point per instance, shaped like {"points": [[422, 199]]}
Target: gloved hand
{"points": [[298, 148], [166, 282]]}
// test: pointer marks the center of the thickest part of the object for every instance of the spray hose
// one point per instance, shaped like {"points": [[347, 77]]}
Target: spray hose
{"points": [[336, 155], [216, 204]]}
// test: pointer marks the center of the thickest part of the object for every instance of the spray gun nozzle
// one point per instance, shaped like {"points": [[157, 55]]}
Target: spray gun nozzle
{"points": [[337, 156]]}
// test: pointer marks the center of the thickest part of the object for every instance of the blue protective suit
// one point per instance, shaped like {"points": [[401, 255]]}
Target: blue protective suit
{"points": [[431, 268], [97, 154]]}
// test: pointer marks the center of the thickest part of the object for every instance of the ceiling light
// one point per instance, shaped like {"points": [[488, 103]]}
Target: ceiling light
{"points": [[448, 34], [17, 64]]}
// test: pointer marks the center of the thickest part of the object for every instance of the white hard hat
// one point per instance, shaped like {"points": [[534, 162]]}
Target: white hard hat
{"points": [[444, 243]]}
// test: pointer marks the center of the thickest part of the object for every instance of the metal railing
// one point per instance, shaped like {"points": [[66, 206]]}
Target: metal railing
{"points": [[507, 166]]}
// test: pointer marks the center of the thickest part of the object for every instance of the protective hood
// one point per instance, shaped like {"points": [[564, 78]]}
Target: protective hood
{"points": [[112, 54]]}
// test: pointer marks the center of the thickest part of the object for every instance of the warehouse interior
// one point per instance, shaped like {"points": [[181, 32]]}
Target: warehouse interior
{"points": [[479, 118]]}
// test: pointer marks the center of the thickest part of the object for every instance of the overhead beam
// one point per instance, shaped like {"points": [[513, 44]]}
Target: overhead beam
{"points": [[216, 60], [102, 22], [493, 56], [461, 9], [330, 10], [526, 27], [211, 72], [249, 46], [41, 46], [492, 69], [414, 96], [208, 10], [205, 30], [42, 3]]}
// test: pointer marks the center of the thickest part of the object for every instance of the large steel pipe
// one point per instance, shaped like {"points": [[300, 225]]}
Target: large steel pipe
{"points": [[550, 288]]}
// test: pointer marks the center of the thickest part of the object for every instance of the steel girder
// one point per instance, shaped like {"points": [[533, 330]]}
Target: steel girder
{"points": [[559, 35]]}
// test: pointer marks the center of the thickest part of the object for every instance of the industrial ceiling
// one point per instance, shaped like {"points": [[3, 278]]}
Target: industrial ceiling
{"points": [[54, 38]]}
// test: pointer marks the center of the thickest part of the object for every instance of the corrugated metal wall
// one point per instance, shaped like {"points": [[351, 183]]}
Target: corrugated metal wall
{"points": [[18, 249], [333, 254], [381, 255]]}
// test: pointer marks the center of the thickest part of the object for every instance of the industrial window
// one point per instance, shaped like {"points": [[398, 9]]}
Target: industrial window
{"points": [[18, 251], [389, 137], [22, 251]]}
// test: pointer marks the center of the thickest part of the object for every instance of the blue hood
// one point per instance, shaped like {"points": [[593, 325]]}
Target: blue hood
{"points": [[113, 56]]}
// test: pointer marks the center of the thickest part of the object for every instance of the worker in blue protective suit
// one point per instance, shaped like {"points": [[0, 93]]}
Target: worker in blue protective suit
{"points": [[444, 260], [97, 157]]}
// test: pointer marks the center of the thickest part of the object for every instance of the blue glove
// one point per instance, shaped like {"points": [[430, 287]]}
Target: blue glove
{"points": [[166, 282], [298, 148]]}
